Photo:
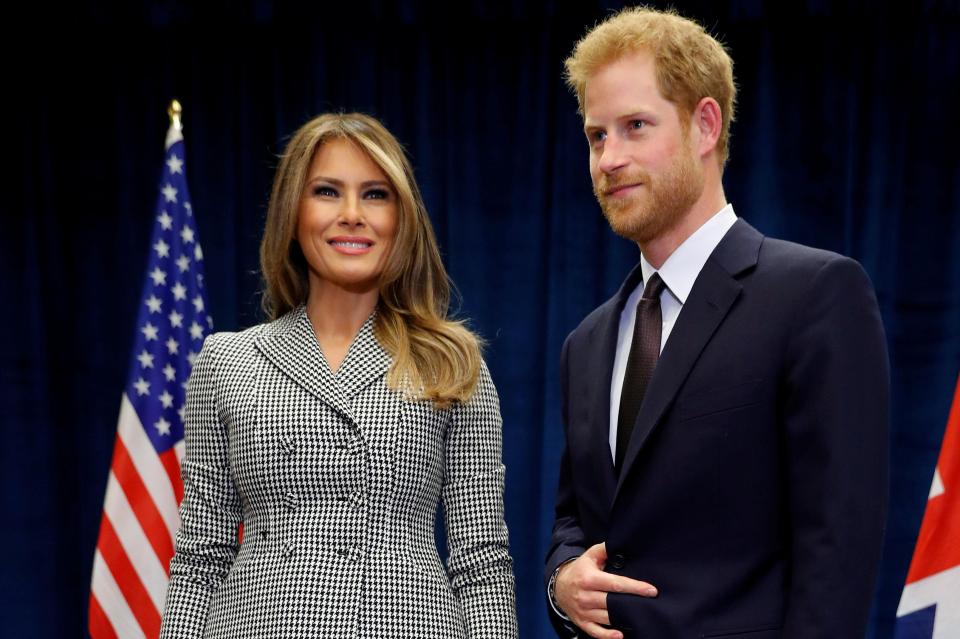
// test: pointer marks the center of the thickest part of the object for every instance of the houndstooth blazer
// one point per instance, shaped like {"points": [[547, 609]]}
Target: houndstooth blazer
{"points": [[336, 479]]}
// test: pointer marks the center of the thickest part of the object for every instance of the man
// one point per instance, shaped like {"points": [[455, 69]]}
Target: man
{"points": [[726, 411]]}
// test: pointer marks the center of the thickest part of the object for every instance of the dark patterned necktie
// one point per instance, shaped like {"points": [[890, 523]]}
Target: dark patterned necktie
{"points": [[644, 353]]}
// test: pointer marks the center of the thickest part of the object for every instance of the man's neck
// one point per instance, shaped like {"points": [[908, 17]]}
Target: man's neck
{"points": [[657, 250]]}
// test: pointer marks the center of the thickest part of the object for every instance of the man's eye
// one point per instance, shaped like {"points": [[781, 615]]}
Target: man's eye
{"points": [[325, 191], [637, 124], [597, 136], [377, 194]]}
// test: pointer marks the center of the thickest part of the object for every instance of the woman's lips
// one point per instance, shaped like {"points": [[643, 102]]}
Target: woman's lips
{"points": [[351, 245]]}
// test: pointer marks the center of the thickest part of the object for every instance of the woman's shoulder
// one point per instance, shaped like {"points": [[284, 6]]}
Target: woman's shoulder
{"points": [[227, 343]]}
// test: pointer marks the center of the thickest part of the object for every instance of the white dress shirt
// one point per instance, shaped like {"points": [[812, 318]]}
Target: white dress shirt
{"points": [[678, 272]]}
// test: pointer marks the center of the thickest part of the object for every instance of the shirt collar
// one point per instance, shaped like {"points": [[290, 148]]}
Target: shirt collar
{"points": [[683, 266]]}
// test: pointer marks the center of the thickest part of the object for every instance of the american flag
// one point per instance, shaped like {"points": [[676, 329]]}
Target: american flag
{"points": [[144, 490], [930, 603]]}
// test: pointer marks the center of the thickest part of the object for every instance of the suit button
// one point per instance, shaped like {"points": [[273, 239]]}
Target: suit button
{"points": [[618, 561]]}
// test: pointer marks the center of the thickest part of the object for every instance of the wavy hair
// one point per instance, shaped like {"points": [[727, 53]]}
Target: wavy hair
{"points": [[435, 358]]}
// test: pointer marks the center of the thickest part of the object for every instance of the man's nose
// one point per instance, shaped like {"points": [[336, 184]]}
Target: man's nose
{"points": [[613, 156]]}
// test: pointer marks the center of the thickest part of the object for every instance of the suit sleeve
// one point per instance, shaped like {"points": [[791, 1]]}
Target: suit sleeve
{"points": [[480, 568], [568, 540], [836, 413], [206, 544]]}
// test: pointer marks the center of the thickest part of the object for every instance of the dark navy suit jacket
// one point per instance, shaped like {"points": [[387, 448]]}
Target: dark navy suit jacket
{"points": [[753, 491]]}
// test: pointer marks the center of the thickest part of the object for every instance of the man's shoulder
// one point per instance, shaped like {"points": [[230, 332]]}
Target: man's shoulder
{"points": [[743, 248], [790, 259]]}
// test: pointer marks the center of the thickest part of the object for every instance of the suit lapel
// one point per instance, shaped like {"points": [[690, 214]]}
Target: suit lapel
{"points": [[598, 377], [713, 294], [290, 344]]}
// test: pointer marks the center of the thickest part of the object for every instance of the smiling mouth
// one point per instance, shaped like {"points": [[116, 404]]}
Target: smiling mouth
{"points": [[621, 189], [351, 244]]}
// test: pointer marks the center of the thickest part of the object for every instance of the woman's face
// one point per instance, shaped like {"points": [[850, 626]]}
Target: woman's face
{"points": [[347, 218]]}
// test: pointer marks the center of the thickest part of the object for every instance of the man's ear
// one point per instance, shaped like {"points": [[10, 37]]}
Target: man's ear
{"points": [[708, 121]]}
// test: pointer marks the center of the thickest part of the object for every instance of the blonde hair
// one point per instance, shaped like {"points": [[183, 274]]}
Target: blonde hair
{"points": [[434, 358], [690, 64]]}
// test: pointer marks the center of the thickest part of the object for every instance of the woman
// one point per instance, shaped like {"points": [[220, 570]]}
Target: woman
{"points": [[333, 432]]}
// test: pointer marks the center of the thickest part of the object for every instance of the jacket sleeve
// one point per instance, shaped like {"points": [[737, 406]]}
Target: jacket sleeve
{"points": [[568, 540], [836, 403], [206, 544], [479, 565]]}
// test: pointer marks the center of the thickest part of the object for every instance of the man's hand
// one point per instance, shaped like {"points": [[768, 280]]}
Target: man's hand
{"points": [[581, 590]]}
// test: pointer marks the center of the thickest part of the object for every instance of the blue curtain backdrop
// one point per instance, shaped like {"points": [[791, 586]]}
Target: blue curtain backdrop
{"points": [[846, 138]]}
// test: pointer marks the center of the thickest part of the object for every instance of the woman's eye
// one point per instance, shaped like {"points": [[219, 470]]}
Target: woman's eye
{"points": [[377, 194], [325, 191], [637, 124], [598, 136]]}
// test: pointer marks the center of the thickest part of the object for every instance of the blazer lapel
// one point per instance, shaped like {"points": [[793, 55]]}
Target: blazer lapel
{"points": [[291, 345], [712, 296], [598, 378], [366, 361]]}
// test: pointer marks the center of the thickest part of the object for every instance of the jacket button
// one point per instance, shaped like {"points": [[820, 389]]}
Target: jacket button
{"points": [[618, 561]]}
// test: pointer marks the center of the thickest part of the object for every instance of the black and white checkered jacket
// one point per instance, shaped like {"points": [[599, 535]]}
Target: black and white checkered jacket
{"points": [[336, 479]]}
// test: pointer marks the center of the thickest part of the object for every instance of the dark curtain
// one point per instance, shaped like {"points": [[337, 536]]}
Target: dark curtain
{"points": [[846, 138]]}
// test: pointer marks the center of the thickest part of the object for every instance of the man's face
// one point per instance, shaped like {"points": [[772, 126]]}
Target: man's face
{"points": [[645, 171]]}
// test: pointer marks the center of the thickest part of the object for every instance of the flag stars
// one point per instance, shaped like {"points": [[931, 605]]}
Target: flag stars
{"points": [[146, 359], [196, 332], [158, 276], [153, 303], [197, 253], [188, 208], [169, 192], [169, 372], [166, 399], [149, 331], [191, 357], [165, 221], [186, 233], [173, 346], [142, 386], [183, 263], [179, 291], [162, 426], [175, 164], [210, 322], [176, 319], [182, 413], [198, 303], [162, 248]]}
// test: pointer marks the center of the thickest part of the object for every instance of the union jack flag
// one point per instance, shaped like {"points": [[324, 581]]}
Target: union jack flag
{"points": [[930, 603], [144, 490]]}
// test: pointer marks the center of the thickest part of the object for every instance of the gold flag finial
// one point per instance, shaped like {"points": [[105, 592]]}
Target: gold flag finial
{"points": [[175, 111]]}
